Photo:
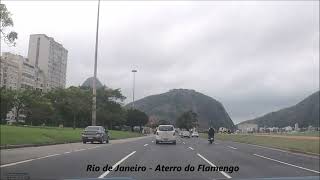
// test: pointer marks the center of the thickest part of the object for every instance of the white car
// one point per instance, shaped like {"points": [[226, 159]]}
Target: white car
{"points": [[166, 134], [195, 134], [186, 134]]}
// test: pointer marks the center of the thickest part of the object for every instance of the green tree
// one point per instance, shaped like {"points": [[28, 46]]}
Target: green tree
{"points": [[40, 111], [136, 118], [57, 100], [72, 106], [109, 110], [5, 22], [22, 100], [187, 120], [77, 100], [6, 99]]}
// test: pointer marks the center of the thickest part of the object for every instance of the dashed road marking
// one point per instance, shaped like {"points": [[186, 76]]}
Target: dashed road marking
{"points": [[287, 164], [191, 148], [183, 142], [232, 147], [67, 152], [93, 147], [77, 150], [12, 164], [116, 164], [145, 145], [211, 164]]}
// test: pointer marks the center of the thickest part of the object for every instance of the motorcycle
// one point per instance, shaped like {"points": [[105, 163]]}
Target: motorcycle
{"points": [[210, 140]]}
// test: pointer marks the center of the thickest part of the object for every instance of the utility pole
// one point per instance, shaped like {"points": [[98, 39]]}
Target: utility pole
{"points": [[94, 88], [134, 79]]}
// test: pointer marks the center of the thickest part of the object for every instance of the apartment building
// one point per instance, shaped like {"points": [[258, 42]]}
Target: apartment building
{"points": [[26, 74], [247, 127], [50, 57], [9, 71], [18, 72]]}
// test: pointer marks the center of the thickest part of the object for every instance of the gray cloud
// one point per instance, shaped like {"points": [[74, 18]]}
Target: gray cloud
{"points": [[254, 57]]}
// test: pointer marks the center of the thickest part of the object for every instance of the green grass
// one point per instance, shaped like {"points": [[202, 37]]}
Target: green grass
{"points": [[296, 145], [14, 135]]}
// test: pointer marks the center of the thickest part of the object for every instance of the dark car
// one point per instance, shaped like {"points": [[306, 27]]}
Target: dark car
{"points": [[95, 133]]}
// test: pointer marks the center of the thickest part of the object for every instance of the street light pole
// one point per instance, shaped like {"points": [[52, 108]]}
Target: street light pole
{"points": [[94, 88], [134, 79]]}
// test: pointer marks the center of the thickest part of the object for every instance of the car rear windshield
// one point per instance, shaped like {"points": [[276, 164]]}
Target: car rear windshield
{"points": [[92, 129], [165, 128]]}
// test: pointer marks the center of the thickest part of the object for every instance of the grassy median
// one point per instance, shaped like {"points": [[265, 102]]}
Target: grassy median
{"points": [[296, 145], [14, 135]]}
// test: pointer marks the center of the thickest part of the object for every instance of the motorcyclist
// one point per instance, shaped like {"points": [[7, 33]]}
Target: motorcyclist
{"points": [[211, 133]]}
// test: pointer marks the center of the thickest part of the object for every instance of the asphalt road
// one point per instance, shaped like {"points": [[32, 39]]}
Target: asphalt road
{"points": [[71, 161]]}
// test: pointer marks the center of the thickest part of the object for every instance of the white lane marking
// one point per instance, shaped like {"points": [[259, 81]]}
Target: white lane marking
{"points": [[211, 164], [232, 147], [183, 142], [93, 147], [216, 143], [314, 156], [67, 152], [145, 145], [116, 164], [287, 164], [191, 148], [12, 164], [77, 150], [268, 148], [48, 156], [152, 141]]}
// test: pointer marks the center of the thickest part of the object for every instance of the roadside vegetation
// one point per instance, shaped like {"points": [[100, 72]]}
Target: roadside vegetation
{"points": [[16, 135], [290, 144], [70, 107]]}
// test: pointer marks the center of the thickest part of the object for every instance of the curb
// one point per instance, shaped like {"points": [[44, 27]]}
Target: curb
{"points": [[281, 149], [8, 146]]}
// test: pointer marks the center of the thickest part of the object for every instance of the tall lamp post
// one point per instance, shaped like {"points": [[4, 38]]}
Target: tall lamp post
{"points": [[94, 88], [134, 79]]}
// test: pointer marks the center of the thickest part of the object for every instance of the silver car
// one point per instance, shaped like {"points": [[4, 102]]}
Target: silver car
{"points": [[166, 134], [95, 133]]}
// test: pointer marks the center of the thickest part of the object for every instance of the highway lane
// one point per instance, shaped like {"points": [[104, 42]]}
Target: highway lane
{"points": [[21, 154], [144, 152], [251, 165], [167, 155], [74, 164]]}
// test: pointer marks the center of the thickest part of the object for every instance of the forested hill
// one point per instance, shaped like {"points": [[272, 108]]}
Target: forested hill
{"points": [[304, 113], [170, 105]]}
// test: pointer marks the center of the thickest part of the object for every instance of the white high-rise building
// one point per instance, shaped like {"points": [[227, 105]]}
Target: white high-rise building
{"points": [[17, 72], [50, 57], [9, 71]]}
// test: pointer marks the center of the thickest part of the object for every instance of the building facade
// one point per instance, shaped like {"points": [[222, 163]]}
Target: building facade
{"points": [[247, 127], [9, 71], [26, 74], [50, 57]]}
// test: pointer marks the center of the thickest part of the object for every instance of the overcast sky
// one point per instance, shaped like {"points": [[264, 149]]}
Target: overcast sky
{"points": [[254, 57]]}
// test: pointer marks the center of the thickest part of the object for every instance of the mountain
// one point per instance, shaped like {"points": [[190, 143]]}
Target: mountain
{"points": [[170, 105], [304, 113], [88, 83]]}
